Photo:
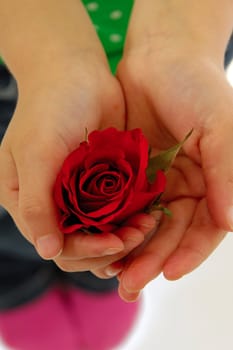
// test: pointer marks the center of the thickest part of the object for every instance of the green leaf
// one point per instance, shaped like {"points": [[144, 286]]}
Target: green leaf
{"points": [[163, 161], [165, 210]]}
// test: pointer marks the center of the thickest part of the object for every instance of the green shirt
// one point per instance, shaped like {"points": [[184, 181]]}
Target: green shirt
{"points": [[110, 18]]}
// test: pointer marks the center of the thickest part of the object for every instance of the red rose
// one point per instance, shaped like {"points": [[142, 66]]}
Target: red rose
{"points": [[104, 181]]}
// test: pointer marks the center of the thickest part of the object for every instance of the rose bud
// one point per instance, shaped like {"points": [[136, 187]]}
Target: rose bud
{"points": [[103, 182]]}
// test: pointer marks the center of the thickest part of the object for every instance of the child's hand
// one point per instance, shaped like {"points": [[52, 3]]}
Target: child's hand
{"points": [[167, 97], [49, 122]]}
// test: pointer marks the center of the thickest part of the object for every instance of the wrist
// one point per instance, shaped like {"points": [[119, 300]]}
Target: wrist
{"points": [[198, 29], [65, 73], [44, 34], [59, 65]]}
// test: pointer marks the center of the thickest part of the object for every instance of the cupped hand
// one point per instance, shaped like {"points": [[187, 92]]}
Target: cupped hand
{"points": [[167, 96], [53, 110]]}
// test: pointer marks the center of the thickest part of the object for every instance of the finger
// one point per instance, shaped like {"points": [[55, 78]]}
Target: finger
{"points": [[80, 245], [127, 296], [202, 237], [130, 237], [218, 168], [110, 271], [143, 222], [37, 168], [180, 183], [146, 224], [148, 265]]}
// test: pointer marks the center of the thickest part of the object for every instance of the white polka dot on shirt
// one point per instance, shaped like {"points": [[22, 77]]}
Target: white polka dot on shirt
{"points": [[115, 38], [116, 14], [92, 6]]}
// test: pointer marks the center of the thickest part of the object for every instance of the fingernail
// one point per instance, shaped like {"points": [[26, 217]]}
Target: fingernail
{"points": [[134, 296], [49, 246], [112, 271], [148, 222], [130, 297], [127, 286], [112, 251]]}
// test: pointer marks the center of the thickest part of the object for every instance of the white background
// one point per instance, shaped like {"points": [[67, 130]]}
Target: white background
{"points": [[194, 313]]}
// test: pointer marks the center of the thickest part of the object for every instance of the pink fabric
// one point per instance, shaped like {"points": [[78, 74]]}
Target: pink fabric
{"points": [[104, 319], [40, 325], [69, 320]]}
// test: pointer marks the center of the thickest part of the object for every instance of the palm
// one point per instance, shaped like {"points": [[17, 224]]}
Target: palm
{"points": [[166, 104]]}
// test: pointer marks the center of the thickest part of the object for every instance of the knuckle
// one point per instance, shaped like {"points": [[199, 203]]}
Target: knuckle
{"points": [[195, 250], [31, 209]]}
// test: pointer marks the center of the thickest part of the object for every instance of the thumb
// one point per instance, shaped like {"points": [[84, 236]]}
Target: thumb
{"points": [[216, 149], [36, 209]]}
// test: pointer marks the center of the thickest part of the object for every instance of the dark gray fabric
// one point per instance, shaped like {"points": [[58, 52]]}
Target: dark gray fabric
{"points": [[8, 97], [12, 243], [229, 52], [22, 281]]}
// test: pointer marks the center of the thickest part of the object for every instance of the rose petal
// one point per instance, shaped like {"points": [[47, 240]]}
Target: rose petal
{"points": [[98, 185], [75, 160], [88, 179], [109, 156], [142, 200]]}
